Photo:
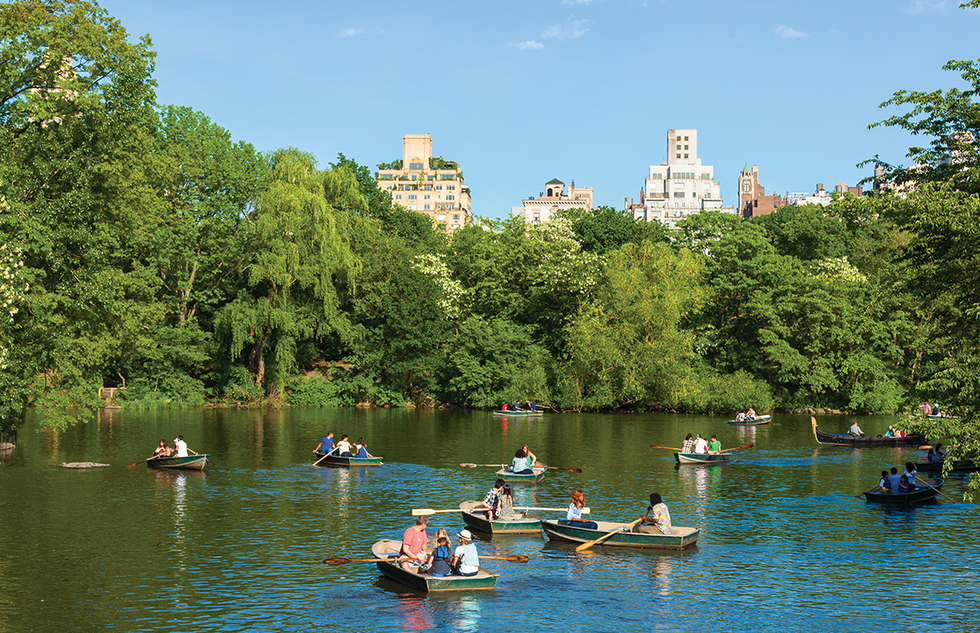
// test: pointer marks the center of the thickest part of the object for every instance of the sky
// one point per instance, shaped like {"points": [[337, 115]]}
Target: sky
{"points": [[522, 92]]}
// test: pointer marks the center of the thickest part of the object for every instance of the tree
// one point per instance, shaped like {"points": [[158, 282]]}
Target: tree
{"points": [[302, 246], [76, 118]]}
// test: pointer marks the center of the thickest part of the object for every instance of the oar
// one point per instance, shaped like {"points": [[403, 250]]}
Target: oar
{"points": [[344, 561], [571, 470], [917, 478], [585, 546], [486, 465], [735, 448], [427, 511], [325, 455], [584, 510], [133, 465], [668, 448]]}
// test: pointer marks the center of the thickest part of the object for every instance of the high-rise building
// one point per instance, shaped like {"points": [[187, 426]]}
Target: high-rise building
{"points": [[553, 198], [682, 186], [427, 184]]}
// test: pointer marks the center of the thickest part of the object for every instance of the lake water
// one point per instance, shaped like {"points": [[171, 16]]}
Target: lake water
{"points": [[784, 543]]}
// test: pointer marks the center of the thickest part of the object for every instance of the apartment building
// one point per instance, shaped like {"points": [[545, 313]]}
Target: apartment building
{"points": [[552, 199], [427, 184]]}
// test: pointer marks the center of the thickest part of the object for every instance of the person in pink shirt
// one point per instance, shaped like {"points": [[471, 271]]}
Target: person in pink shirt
{"points": [[414, 543]]}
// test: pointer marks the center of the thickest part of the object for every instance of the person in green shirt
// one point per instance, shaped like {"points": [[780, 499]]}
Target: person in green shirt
{"points": [[714, 446]]}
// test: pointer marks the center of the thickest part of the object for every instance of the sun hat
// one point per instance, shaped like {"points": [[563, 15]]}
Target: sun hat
{"points": [[465, 535]]}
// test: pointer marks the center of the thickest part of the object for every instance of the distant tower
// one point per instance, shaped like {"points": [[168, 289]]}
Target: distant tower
{"points": [[749, 188]]}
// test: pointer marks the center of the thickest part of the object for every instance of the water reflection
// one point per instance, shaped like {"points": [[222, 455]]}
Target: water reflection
{"points": [[413, 614]]}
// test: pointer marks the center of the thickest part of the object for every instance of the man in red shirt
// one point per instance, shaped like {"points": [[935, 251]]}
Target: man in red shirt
{"points": [[414, 542]]}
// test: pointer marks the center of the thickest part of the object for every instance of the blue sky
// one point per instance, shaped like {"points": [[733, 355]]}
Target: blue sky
{"points": [[522, 92]]}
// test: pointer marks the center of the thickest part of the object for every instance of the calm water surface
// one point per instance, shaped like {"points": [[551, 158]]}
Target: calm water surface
{"points": [[784, 545]]}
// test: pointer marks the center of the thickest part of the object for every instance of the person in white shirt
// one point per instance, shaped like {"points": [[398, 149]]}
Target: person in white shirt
{"points": [[181, 446], [343, 448], [700, 445]]}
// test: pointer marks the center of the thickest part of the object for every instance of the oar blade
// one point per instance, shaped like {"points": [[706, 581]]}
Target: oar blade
{"points": [[422, 511], [467, 465], [336, 561], [518, 559]]}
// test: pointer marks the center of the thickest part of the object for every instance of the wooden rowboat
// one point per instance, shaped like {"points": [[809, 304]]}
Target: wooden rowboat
{"points": [[346, 462], [389, 548], [959, 466], [518, 414], [537, 474], [475, 517], [647, 537], [846, 439], [699, 458], [920, 494], [759, 420], [191, 462]]}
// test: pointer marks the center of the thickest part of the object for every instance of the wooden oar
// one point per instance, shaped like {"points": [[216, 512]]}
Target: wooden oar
{"points": [[584, 510], [344, 561], [486, 465], [325, 455], [427, 511], [735, 448], [668, 448], [571, 470], [917, 478], [133, 465], [585, 546]]}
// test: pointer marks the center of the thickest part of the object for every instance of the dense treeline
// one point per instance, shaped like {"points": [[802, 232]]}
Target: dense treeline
{"points": [[143, 247]]}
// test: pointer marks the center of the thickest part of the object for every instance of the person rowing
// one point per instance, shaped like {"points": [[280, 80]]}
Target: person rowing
{"points": [[163, 450], [521, 463], [325, 447]]}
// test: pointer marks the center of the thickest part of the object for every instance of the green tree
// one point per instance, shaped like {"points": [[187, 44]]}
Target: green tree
{"points": [[302, 247], [76, 121]]}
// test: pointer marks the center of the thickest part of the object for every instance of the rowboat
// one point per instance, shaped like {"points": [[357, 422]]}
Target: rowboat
{"points": [[647, 536], [756, 421], [700, 458], [846, 439], [519, 414], [389, 548], [507, 474], [191, 462], [475, 516], [346, 462], [920, 494], [940, 416], [959, 466]]}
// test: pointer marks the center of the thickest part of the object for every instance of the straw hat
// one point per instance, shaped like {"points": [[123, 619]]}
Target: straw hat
{"points": [[465, 535]]}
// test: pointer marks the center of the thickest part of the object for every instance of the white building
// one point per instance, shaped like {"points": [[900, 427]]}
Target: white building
{"points": [[552, 199], [682, 186], [431, 186]]}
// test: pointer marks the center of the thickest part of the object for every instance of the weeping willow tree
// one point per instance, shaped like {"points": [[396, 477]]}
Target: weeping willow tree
{"points": [[302, 248]]}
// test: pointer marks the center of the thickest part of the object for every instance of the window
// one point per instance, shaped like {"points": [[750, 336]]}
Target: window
{"points": [[415, 166], [426, 207], [685, 155], [685, 147], [705, 176], [456, 217], [678, 156], [398, 197], [451, 187], [678, 139], [426, 196], [746, 186], [685, 138], [412, 196], [678, 147], [450, 197], [438, 187], [678, 194]]}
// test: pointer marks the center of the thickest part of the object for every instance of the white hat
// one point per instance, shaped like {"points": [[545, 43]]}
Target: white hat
{"points": [[465, 535]]}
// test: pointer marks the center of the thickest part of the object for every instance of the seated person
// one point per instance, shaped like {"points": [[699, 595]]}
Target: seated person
{"points": [[884, 484], [520, 464], [855, 430], [657, 516], [574, 515], [362, 449], [343, 448], [326, 444], [491, 501], [163, 450], [440, 560], [466, 562], [903, 485]]}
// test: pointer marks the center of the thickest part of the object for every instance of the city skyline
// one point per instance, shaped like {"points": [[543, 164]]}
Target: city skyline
{"points": [[580, 90]]}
